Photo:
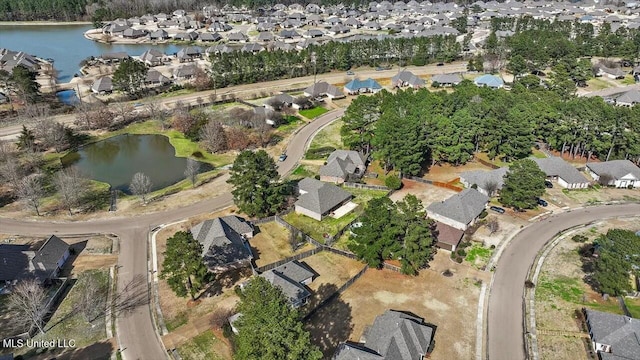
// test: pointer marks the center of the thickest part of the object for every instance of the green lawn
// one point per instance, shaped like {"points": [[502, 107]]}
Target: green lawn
{"points": [[175, 93], [628, 80], [478, 255], [329, 137], [598, 84], [539, 154], [301, 172], [313, 112], [571, 290], [633, 305], [200, 347], [289, 124]]}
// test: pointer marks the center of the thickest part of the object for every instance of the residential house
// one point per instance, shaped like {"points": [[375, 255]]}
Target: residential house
{"points": [[103, 85], [318, 199], [131, 33], [186, 36], [159, 34], [252, 48], [291, 278], [621, 173], [3, 98], [407, 78], [394, 335], [113, 29], [185, 71], [460, 210], [261, 112], [322, 89], [313, 33], [612, 73], [10, 59], [343, 165], [280, 101], [627, 98], [356, 86], [613, 336], [487, 182], [152, 57], [224, 242], [288, 34], [217, 26], [114, 57], [189, 53], [339, 29], [565, 174], [237, 37], [489, 80], [265, 36], [20, 262], [154, 77], [446, 79]]}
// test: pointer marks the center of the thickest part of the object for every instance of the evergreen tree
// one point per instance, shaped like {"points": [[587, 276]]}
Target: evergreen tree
{"points": [[183, 265], [24, 82], [618, 258], [26, 139], [522, 184], [129, 77], [269, 328]]}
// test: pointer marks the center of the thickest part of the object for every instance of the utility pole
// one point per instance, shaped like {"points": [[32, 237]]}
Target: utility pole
{"points": [[313, 60]]}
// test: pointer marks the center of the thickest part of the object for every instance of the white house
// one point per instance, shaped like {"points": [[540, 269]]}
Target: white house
{"points": [[561, 171], [623, 173]]}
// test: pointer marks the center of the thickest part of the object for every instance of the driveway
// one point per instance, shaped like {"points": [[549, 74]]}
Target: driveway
{"points": [[505, 321], [136, 333]]}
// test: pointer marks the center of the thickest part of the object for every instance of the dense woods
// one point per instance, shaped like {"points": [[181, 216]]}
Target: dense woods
{"points": [[411, 130]]}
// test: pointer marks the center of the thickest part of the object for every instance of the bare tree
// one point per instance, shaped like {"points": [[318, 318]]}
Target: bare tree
{"points": [[31, 192], [7, 151], [93, 116], [51, 134], [141, 186], [213, 137], [605, 179], [201, 80], [34, 113], [295, 239], [27, 303], [493, 225], [125, 112], [192, 170], [276, 104], [155, 110], [11, 172], [92, 302], [71, 186], [491, 187]]}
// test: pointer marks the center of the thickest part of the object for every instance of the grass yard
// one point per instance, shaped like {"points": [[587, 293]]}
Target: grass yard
{"points": [[313, 112], [272, 244], [598, 84], [200, 347], [328, 137], [538, 154], [628, 80], [289, 124], [301, 172], [478, 255], [633, 305]]}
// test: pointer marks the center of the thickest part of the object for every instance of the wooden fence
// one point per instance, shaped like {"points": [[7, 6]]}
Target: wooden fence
{"points": [[486, 163], [300, 256], [340, 290], [435, 183], [365, 186]]}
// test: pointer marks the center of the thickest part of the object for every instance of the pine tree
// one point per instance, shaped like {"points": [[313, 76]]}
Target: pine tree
{"points": [[522, 184], [183, 265]]}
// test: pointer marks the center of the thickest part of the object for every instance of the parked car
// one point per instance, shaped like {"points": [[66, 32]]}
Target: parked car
{"points": [[282, 157], [350, 72], [542, 202], [497, 209], [548, 184]]}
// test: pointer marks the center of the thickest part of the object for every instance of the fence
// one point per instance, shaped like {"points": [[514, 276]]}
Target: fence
{"points": [[348, 254], [333, 238], [486, 163], [365, 186], [435, 183], [391, 267], [300, 256], [340, 290]]}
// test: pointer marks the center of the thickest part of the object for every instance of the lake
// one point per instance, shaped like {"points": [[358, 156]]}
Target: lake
{"points": [[115, 161], [66, 45]]}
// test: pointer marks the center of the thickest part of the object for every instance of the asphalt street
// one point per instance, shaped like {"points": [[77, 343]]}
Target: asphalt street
{"points": [[505, 321], [137, 336]]}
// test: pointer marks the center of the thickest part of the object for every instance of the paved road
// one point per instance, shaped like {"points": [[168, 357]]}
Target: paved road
{"points": [[136, 333], [505, 327], [243, 91]]}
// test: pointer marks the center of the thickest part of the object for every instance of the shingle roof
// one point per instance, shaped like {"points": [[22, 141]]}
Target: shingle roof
{"points": [[407, 77], [349, 351], [629, 97], [14, 262], [555, 166], [323, 88], [615, 168], [320, 197], [102, 84], [222, 241], [483, 178], [47, 257], [288, 278], [448, 234], [454, 79], [341, 163], [399, 336], [356, 85], [462, 207], [621, 332], [295, 271], [489, 80]]}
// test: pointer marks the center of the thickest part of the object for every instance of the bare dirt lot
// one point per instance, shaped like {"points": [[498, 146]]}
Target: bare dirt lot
{"points": [[425, 192], [590, 196], [271, 244], [447, 172], [561, 291], [450, 303]]}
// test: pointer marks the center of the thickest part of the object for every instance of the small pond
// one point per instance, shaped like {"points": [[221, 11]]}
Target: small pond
{"points": [[117, 159]]}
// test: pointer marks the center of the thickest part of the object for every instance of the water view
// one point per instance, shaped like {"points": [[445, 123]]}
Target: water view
{"points": [[117, 159], [66, 45]]}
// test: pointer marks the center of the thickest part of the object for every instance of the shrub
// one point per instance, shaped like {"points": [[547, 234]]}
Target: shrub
{"points": [[319, 153], [579, 238], [484, 214], [197, 154], [393, 182], [458, 260], [227, 331], [529, 284], [237, 290], [461, 252]]}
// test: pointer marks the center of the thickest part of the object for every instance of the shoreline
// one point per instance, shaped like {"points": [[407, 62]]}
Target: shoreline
{"points": [[42, 22]]}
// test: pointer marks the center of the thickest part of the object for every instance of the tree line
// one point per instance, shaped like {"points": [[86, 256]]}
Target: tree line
{"points": [[413, 129]]}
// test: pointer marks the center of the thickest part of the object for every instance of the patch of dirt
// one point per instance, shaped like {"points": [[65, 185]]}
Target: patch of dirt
{"points": [[450, 303], [425, 192], [448, 172]]}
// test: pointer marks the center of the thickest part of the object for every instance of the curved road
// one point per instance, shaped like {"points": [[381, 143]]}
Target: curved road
{"points": [[136, 333], [505, 320]]}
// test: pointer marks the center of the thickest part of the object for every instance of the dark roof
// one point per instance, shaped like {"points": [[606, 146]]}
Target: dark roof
{"points": [[295, 271], [463, 207], [222, 241], [448, 234], [615, 168], [341, 163], [102, 84], [323, 88], [14, 262], [482, 178], [621, 332], [407, 77], [289, 278], [555, 166], [47, 257], [320, 197]]}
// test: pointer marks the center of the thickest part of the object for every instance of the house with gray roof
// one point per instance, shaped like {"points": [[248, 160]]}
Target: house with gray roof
{"points": [[103, 85], [394, 335], [159, 34], [613, 337], [152, 57], [322, 89], [21, 262], [343, 165], [561, 171], [189, 53], [224, 242], [184, 72], [627, 98], [487, 182], [613, 73], [621, 173], [446, 79], [407, 78], [318, 199], [460, 210], [154, 77], [291, 278]]}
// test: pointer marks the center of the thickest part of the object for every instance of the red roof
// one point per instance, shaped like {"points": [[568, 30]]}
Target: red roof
{"points": [[448, 235]]}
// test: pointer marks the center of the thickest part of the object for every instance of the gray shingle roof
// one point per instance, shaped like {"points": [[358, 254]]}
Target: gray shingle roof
{"points": [[289, 278], [348, 351], [14, 262], [462, 207], [555, 166], [407, 77], [453, 79], [320, 197], [323, 88], [615, 168], [47, 257], [295, 271], [222, 241], [341, 163], [102, 84], [483, 178], [621, 332]]}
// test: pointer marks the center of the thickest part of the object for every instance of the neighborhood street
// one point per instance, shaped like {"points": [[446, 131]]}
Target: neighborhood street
{"points": [[136, 333], [505, 320]]}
